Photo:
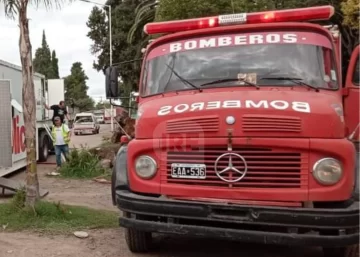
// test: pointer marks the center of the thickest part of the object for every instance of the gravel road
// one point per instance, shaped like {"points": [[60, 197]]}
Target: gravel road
{"points": [[91, 140]]}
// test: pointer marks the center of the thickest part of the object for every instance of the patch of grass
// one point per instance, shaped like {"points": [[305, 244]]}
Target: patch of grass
{"points": [[106, 176], [82, 164], [18, 200], [54, 218], [106, 140]]}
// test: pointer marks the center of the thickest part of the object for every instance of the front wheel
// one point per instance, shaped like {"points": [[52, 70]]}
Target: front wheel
{"points": [[43, 147], [113, 182], [138, 241], [347, 251]]}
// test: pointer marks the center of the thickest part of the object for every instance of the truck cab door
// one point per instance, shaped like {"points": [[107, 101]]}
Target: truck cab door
{"points": [[351, 96]]}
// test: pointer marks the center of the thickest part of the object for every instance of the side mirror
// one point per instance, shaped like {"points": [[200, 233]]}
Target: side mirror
{"points": [[111, 82], [134, 96]]}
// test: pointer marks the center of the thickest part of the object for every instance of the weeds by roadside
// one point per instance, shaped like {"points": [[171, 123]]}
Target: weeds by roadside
{"points": [[106, 140], [82, 164], [52, 217], [18, 201]]}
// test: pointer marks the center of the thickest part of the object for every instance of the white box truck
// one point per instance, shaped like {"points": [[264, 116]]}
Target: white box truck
{"points": [[12, 129]]}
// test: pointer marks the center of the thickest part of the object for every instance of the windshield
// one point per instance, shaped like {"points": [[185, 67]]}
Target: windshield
{"points": [[83, 119], [205, 60]]}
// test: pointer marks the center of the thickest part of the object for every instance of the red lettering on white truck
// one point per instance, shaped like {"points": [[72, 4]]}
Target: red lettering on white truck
{"points": [[18, 139]]}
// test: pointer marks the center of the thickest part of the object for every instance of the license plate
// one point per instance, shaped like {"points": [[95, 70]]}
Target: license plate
{"points": [[191, 171]]}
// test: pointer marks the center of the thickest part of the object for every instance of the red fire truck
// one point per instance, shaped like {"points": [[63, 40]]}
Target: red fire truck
{"points": [[244, 131]]}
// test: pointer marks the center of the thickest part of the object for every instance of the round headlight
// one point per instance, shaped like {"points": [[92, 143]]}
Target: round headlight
{"points": [[145, 167], [327, 171]]}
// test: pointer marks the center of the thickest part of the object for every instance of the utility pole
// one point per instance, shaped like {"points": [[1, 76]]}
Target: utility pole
{"points": [[111, 53]]}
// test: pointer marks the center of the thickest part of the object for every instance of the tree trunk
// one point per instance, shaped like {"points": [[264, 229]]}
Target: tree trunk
{"points": [[28, 96]]}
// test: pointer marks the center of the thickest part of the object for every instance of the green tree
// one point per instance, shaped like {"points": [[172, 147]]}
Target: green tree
{"points": [[46, 62], [42, 59], [102, 104], [18, 9], [76, 89], [351, 10], [350, 25], [175, 10], [123, 17], [144, 13], [55, 64]]}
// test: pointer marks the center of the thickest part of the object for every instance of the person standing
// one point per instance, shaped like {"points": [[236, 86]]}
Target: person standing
{"points": [[61, 138], [59, 111]]}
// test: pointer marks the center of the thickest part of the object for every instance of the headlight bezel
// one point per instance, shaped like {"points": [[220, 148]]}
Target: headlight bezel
{"points": [[154, 163], [317, 177]]}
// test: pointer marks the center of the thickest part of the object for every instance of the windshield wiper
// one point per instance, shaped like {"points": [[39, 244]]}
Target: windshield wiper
{"points": [[186, 82], [298, 81], [229, 80]]}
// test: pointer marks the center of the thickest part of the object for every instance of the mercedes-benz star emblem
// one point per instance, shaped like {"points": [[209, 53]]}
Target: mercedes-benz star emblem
{"points": [[230, 120], [236, 174]]}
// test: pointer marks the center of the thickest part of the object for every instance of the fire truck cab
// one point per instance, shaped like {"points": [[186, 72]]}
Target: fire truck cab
{"points": [[244, 131]]}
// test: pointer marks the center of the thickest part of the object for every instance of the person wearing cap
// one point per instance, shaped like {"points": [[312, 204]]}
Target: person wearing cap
{"points": [[61, 138], [59, 111]]}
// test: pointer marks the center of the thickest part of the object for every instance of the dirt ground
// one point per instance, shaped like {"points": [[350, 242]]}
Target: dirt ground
{"points": [[111, 242]]}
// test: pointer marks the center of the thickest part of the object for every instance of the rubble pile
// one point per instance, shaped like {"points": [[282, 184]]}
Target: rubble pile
{"points": [[128, 126]]}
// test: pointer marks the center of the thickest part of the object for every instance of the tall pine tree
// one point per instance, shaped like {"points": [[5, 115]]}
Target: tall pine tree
{"points": [[76, 89], [46, 62], [55, 64]]}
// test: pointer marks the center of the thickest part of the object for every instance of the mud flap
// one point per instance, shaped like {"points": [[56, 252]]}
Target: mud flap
{"points": [[5, 125]]}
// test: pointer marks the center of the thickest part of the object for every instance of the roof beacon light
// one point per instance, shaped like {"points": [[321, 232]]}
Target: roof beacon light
{"points": [[292, 15]]}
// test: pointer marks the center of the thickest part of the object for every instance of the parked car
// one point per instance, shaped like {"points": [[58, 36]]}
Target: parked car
{"points": [[100, 118], [85, 123]]}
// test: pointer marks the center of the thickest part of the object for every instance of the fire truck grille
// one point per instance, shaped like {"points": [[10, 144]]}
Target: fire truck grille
{"points": [[193, 125], [260, 123], [266, 168]]}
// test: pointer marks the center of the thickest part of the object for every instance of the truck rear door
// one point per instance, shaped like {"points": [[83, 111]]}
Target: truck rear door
{"points": [[351, 96]]}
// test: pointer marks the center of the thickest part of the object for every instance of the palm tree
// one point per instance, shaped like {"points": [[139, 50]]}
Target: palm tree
{"points": [[18, 8], [145, 12]]}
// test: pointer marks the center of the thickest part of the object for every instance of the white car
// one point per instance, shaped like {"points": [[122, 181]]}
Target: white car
{"points": [[85, 123]]}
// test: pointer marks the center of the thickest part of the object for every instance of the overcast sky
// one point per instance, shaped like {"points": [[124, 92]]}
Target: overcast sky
{"points": [[65, 33]]}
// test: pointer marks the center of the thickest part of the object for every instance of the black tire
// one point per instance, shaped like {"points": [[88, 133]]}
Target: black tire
{"points": [[138, 241], [348, 251], [44, 143], [113, 181], [75, 133]]}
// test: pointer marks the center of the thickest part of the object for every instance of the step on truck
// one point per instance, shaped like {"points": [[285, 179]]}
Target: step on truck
{"points": [[244, 131], [12, 150]]}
